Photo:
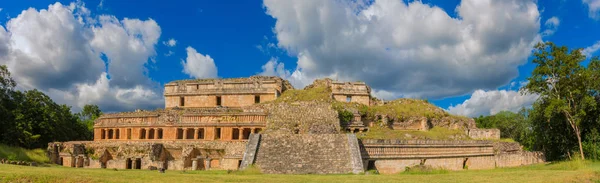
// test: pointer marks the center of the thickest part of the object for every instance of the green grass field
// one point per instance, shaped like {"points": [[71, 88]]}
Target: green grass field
{"points": [[21, 154], [560, 172]]}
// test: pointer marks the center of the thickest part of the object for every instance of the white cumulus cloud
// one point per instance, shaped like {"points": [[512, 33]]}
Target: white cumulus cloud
{"points": [[197, 65], [551, 26], [170, 43], [128, 44], [59, 51], [408, 49], [590, 50], [593, 8], [491, 102]]}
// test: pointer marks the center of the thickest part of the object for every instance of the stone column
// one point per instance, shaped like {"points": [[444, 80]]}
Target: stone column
{"points": [[195, 133], [133, 163], [185, 131], [207, 167], [195, 164], [105, 134], [252, 130], [75, 159], [240, 133], [148, 133], [155, 133]]}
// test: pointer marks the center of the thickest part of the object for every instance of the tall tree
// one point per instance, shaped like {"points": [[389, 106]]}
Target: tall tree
{"points": [[512, 125], [565, 86], [88, 114], [8, 130], [90, 111]]}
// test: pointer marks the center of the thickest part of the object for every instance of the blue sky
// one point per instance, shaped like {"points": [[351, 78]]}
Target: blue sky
{"points": [[467, 56]]}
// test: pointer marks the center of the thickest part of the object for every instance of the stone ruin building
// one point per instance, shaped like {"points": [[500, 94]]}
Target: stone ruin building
{"points": [[230, 124]]}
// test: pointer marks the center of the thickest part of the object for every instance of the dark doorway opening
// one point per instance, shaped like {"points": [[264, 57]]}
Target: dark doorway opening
{"points": [[128, 163], [371, 165], [138, 163], [235, 134]]}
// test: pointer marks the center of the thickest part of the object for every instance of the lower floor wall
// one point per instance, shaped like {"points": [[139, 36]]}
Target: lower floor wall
{"points": [[297, 154], [209, 155], [391, 166], [145, 163]]}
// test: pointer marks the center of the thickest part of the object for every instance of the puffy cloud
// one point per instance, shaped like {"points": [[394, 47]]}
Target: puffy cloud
{"points": [[593, 8], [551, 26], [491, 102], [128, 44], [59, 51], [197, 65], [108, 97], [408, 49], [49, 49], [590, 50], [275, 68], [170, 43]]}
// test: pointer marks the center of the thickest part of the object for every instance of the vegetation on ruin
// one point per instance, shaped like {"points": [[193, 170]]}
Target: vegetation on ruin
{"points": [[320, 93], [571, 171], [436, 133], [22, 154], [403, 108], [400, 109]]}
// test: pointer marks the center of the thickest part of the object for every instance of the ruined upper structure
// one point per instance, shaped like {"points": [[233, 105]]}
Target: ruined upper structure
{"points": [[232, 92], [357, 92]]}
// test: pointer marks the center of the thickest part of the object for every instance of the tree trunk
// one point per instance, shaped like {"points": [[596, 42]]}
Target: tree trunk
{"points": [[578, 134]]}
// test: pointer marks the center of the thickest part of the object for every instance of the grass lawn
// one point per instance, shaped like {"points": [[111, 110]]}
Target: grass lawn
{"points": [[560, 172], [21, 154]]}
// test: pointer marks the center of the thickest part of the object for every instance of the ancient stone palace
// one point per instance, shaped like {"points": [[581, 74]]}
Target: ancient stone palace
{"points": [[230, 124]]}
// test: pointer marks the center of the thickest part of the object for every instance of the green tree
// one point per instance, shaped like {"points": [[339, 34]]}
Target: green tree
{"points": [[511, 125], [88, 115], [8, 131], [31, 119], [39, 120], [566, 88]]}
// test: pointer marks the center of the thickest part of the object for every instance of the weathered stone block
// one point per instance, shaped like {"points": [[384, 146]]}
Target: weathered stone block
{"points": [[395, 166], [476, 133], [481, 163], [446, 163]]}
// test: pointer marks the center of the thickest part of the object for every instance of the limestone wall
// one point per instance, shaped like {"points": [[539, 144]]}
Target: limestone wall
{"points": [[481, 163], [519, 159], [446, 163], [361, 99], [305, 154], [173, 155], [476, 133], [301, 118], [391, 166], [393, 156], [423, 149]]}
